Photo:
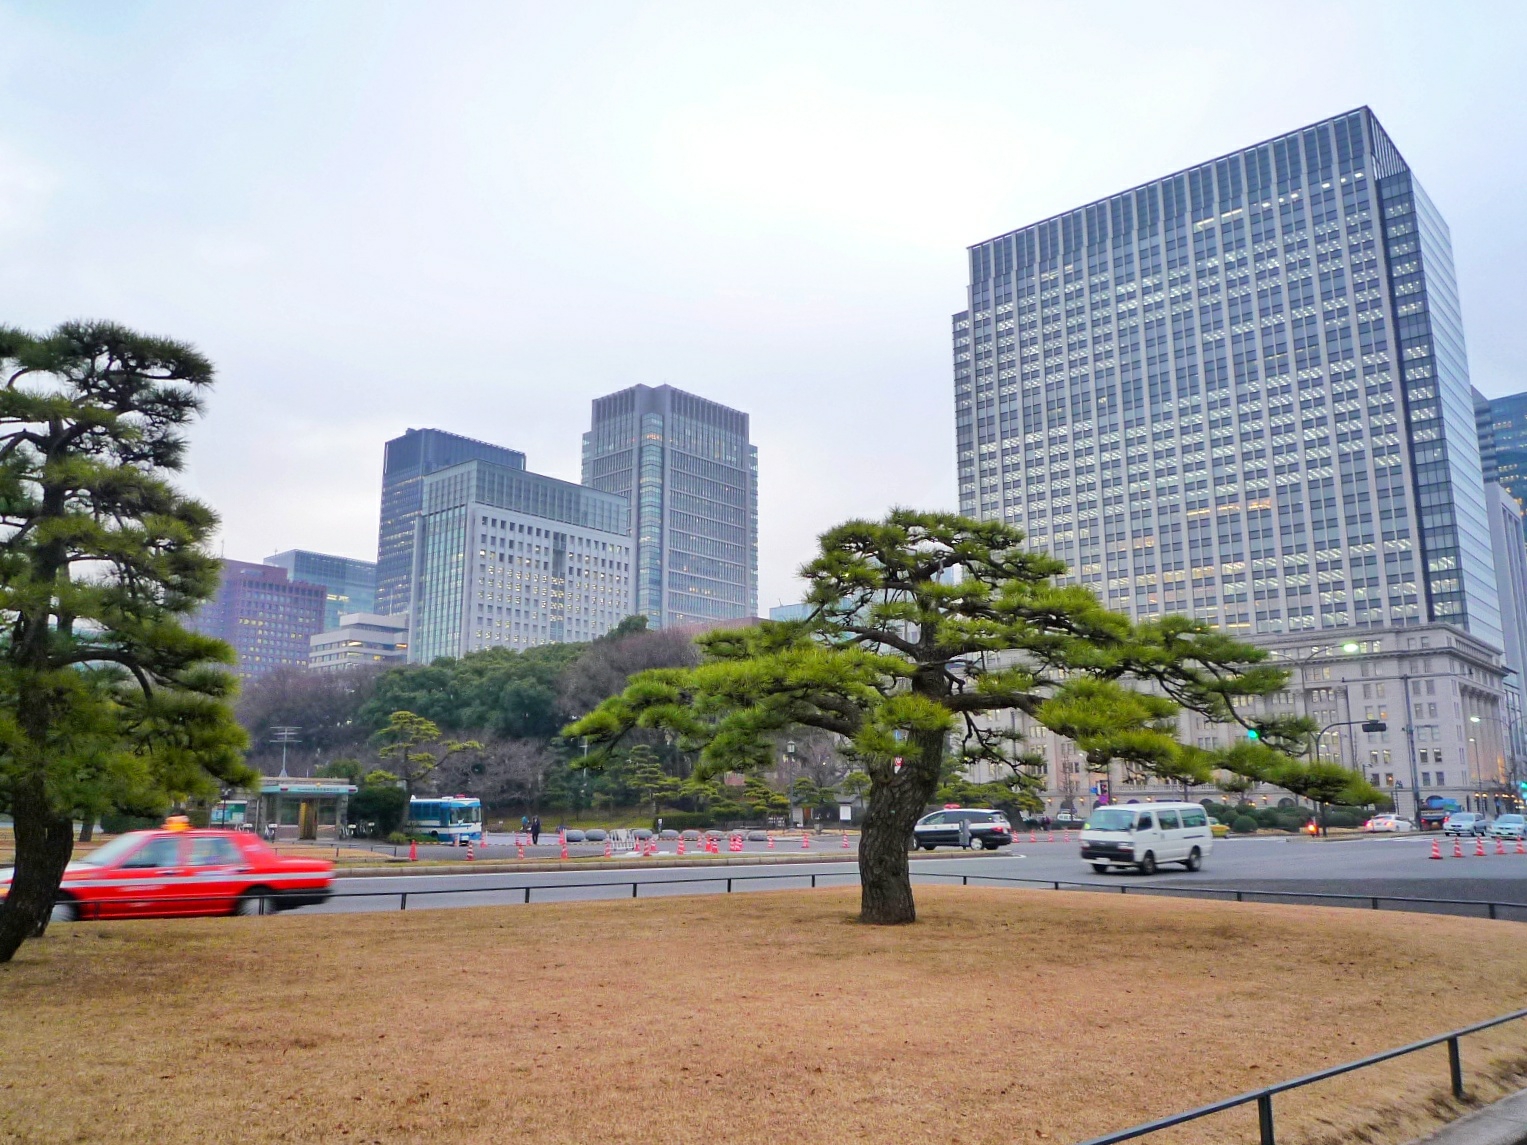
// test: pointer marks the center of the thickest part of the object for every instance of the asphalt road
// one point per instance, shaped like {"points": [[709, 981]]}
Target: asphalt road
{"points": [[1387, 867]]}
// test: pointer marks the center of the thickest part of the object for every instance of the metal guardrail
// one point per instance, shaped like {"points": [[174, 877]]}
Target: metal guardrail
{"points": [[1489, 909], [1264, 1097]]}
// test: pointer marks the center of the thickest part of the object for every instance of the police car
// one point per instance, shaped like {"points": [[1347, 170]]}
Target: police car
{"points": [[988, 829]]}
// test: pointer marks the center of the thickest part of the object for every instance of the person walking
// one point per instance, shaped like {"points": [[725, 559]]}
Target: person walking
{"points": [[524, 824], [535, 830]]}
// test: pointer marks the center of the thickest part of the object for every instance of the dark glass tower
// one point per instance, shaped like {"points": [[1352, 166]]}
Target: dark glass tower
{"points": [[1503, 441], [406, 462], [691, 477]]}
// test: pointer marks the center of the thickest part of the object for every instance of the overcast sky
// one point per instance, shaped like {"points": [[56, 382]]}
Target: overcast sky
{"points": [[479, 217]]}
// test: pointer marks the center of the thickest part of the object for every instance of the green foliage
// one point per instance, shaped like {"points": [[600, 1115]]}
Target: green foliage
{"points": [[106, 701], [927, 625], [416, 748], [1243, 824], [382, 804], [397, 838], [646, 775], [350, 769]]}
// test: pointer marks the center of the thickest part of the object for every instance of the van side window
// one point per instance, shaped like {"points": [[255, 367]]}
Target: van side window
{"points": [[1168, 820], [1194, 819], [1144, 822]]}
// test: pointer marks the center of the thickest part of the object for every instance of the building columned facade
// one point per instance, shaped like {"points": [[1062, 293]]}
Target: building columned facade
{"points": [[504, 558], [265, 615], [349, 585], [687, 470], [1240, 393], [406, 461]]}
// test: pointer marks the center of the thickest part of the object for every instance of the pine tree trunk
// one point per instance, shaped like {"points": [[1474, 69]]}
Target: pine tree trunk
{"points": [[44, 843], [885, 882], [87, 829]]}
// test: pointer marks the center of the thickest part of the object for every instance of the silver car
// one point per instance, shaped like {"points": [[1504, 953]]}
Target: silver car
{"points": [[1509, 827]]}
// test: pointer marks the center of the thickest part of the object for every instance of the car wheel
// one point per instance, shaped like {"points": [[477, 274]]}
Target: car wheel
{"points": [[928, 846], [1148, 864], [65, 909], [255, 901], [1195, 860], [1100, 868]]}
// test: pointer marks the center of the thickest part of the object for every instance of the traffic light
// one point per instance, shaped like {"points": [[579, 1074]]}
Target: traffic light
{"points": [[1253, 734], [1375, 726]]}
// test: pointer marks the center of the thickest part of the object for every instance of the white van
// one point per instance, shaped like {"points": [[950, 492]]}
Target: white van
{"points": [[1145, 835]]}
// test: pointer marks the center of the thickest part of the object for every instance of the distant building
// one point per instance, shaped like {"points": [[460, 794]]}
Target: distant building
{"points": [[406, 462], [349, 585], [687, 470], [265, 615], [1502, 424], [510, 559], [360, 639], [790, 612]]}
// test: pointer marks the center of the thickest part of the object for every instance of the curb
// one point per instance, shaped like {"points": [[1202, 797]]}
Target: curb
{"points": [[1501, 1123]]}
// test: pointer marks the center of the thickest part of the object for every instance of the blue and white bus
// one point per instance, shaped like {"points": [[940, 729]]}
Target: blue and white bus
{"points": [[449, 818]]}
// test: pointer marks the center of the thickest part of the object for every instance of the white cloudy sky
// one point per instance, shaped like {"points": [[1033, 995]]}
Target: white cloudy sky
{"points": [[481, 216]]}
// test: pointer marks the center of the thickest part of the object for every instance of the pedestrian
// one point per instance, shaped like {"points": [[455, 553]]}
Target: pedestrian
{"points": [[524, 824], [535, 830], [1044, 822], [964, 832]]}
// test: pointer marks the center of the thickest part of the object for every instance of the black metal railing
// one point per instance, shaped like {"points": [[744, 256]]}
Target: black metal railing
{"points": [[1263, 1098]]}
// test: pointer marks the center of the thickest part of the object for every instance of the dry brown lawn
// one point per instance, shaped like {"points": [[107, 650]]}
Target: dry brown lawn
{"points": [[767, 1017]]}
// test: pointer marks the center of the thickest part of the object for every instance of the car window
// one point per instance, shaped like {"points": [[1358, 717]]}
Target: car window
{"points": [[160, 852], [1145, 823], [936, 817], [979, 816], [1168, 820], [1195, 819], [211, 851]]}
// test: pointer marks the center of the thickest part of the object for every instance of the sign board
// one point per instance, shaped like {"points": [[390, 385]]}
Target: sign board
{"points": [[845, 812]]}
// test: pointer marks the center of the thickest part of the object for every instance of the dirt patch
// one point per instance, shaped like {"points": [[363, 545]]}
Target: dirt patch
{"points": [[1004, 1015]]}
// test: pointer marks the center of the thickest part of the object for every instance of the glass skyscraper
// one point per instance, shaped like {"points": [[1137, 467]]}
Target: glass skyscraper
{"points": [[407, 460], [350, 585], [1503, 441], [1240, 393], [686, 467]]}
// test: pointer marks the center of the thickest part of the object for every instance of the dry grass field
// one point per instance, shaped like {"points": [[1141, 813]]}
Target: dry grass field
{"points": [[1003, 1016]]}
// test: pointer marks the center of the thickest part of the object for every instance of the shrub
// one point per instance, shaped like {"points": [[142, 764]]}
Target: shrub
{"points": [[1267, 817], [115, 823], [1243, 825], [397, 838]]}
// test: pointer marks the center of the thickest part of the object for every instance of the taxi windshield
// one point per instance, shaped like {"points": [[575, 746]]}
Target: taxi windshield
{"points": [[1111, 819], [108, 853]]}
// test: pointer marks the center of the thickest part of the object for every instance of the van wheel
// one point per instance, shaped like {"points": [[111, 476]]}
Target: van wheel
{"points": [[1195, 860], [1148, 864], [1100, 868]]}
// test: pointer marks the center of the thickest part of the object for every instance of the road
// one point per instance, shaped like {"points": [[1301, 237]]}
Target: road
{"points": [[1396, 867]]}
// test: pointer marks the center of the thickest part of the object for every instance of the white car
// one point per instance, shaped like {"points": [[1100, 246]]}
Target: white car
{"points": [[1389, 823], [1508, 827], [1144, 835]]}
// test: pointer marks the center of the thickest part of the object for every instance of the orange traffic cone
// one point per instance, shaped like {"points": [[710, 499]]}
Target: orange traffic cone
{"points": [[1457, 848], [470, 856], [1049, 836], [1521, 845], [681, 844], [805, 841], [1436, 850], [1500, 846], [519, 846], [1065, 837], [1479, 846], [771, 842], [1033, 836], [845, 840], [609, 848], [413, 851]]}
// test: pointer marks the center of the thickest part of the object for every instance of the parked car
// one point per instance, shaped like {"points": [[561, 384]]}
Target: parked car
{"points": [[175, 872], [1465, 823], [1217, 829], [596, 835], [1145, 835], [987, 829], [1068, 821], [1509, 827], [1388, 823]]}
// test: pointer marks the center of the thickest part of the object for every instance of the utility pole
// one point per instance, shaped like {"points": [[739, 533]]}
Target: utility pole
{"points": [[285, 736], [1410, 746]]}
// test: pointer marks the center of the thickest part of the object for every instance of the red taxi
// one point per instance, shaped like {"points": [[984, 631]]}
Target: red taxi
{"points": [[176, 872]]}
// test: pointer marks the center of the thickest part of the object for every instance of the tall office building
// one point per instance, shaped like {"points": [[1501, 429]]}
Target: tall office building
{"points": [[407, 460], [264, 614], [349, 585], [510, 559], [685, 466], [1503, 441], [1240, 393]]}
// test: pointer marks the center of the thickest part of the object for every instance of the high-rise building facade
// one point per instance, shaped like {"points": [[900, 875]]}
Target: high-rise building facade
{"points": [[510, 559], [1240, 393], [264, 614], [359, 640], [349, 585], [687, 469], [1503, 441], [406, 461]]}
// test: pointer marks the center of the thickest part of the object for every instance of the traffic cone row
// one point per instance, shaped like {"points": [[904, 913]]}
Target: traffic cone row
{"points": [[1479, 847], [735, 845]]}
